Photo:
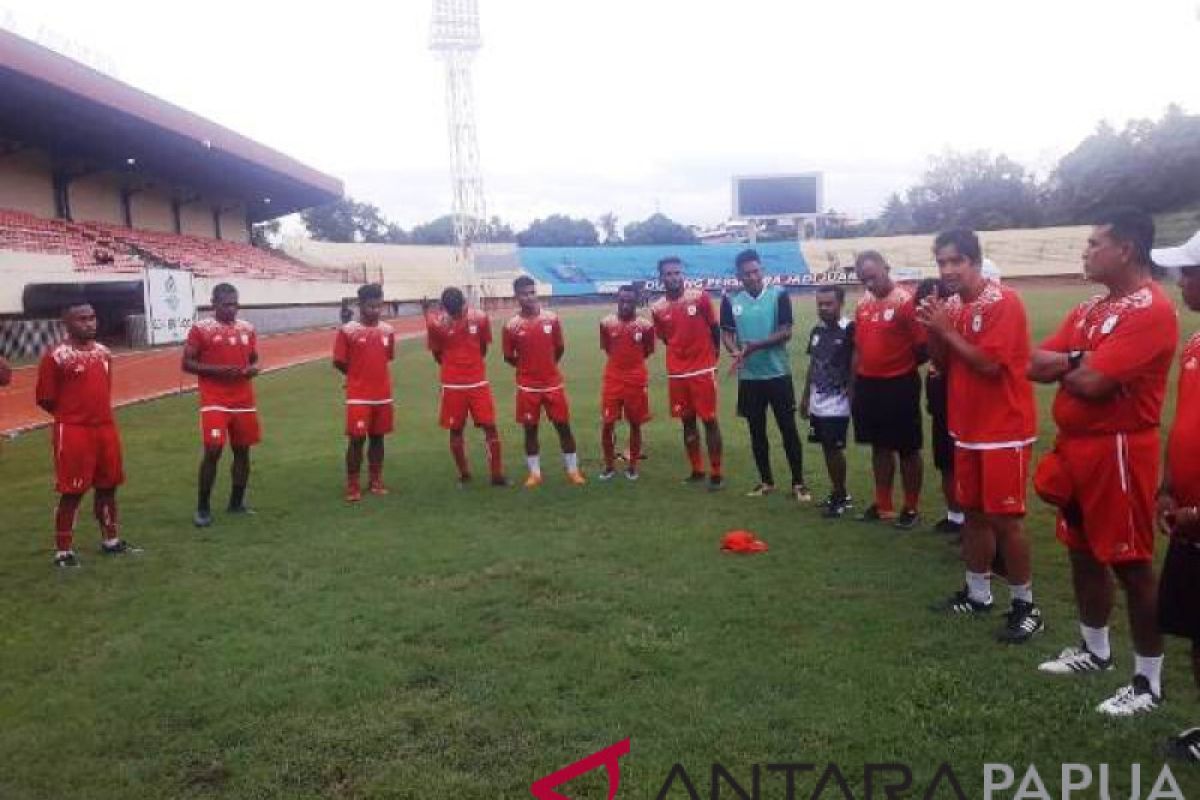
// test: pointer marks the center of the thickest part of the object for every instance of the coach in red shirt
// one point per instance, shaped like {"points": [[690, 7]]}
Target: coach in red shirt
{"points": [[979, 339], [886, 401], [1110, 359]]}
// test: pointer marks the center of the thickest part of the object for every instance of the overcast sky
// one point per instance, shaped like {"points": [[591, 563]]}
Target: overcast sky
{"points": [[633, 105]]}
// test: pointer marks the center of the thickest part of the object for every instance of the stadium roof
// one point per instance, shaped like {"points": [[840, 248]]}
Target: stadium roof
{"points": [[90, 120]]}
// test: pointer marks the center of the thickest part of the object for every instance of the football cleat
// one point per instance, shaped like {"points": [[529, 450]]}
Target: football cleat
{"points": [[1076, 661], [1131, 700]]}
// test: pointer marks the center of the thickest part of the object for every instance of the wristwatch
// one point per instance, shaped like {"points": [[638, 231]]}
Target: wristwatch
{"points": [[1074, 359]]}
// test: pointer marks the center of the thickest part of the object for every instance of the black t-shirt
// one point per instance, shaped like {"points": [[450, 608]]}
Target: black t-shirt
{"points": [[831, 349]]}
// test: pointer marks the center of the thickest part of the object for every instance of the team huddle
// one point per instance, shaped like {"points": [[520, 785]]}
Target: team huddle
{"points": [[1110, 360]]}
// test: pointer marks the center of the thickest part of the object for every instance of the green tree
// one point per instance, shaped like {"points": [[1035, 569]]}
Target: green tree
{"points": [[437, 231], [559, 230], [347, 220], [608, 226], [498, 230], [658, 229]]}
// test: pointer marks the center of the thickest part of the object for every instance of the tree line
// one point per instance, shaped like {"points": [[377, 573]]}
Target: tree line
{"points": [[1152, 164]]}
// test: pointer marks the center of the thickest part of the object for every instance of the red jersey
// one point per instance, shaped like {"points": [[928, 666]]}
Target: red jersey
{"points": [[216, 343], [458, 344], [78, 382], [1129, 339], [991, 410], [533, 342], [628, 344], [1183, 446], [887, 334], [366, 350], [686, 326]]}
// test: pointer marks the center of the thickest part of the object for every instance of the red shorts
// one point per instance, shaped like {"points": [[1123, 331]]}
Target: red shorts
{"points": [[85, 457], [1104, 487], [475, 402], [531, 403], [693, 396], [992, 481], [239, 427], [627, 401], [368, 419]]}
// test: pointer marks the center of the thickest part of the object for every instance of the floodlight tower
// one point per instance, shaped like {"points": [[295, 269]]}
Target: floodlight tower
{"points": [[454, 36]]}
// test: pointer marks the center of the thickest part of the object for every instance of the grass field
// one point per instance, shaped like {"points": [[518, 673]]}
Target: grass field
{"points": [[460, 644]]}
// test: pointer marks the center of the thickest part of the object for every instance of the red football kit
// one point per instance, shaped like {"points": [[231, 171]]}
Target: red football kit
{"points": [[628, 345], [993, 419], [1106, 457], [887, 334], [77, 381], [367, 351], [227, 409], [1183, 446], [459, 344], [533, 342], [685, 325]]}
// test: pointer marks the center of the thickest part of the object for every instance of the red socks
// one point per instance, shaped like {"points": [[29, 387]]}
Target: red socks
{"points": [[64, 521], [607, 435], [458, 449], [883, 498], [635, 447], [693, 453], [911, 501], [105, 507], [495, 462]]}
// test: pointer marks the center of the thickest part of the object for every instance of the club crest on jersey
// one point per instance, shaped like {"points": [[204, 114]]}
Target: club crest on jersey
{"points": [[737, 311], [637, 336], [816, 339], [1107, 327], [691, 311], [977, 323], [888, 314], [1192, 363], [547, 328], [245, 339], [472, 329]]}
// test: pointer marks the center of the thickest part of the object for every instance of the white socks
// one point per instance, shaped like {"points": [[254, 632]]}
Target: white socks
{"points": [[1096, 640], [1022, 592], [979, 586], [535, 464], [957, 517], [572, 461], [1151, 668]]}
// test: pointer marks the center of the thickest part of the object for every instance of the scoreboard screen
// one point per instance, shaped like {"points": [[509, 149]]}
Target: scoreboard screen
{"points": [[776, 196]]}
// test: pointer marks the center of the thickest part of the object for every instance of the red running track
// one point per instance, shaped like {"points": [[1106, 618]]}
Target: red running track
{"points": [[149, 374]]}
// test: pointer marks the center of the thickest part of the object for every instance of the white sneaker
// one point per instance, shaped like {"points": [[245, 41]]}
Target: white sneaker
{"points": [[1136, 698], [1074, 661]]}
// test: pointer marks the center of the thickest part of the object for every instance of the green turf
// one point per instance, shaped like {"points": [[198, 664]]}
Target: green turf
{"points": [[459, 644]]}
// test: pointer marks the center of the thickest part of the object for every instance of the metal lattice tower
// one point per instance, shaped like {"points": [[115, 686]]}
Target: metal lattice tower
{"points": [[454, 36]]}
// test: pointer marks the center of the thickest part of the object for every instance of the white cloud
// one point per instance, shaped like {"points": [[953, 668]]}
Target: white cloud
{"points": [[629, 105]]}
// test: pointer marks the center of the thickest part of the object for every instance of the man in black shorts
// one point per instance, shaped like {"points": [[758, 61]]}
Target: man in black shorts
{"points": [[756, 325], [826, 400], [1179, 495], [939, 439], [889, 343]]}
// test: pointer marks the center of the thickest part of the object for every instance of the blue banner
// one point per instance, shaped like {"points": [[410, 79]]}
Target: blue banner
{"points": [[595, 270]]}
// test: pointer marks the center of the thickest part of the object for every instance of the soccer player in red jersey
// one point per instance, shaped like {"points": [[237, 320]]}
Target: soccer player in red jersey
{"points": [[74, 384], [979, 338], [1110, 359], [687, 324], [223, 352], [362, 351], [628, 340], [533, 343], [888, 345], [458, 337], [1179, 494]]}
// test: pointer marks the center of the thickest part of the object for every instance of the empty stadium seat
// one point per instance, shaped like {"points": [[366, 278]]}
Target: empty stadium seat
{"points": [[100, 247]]}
